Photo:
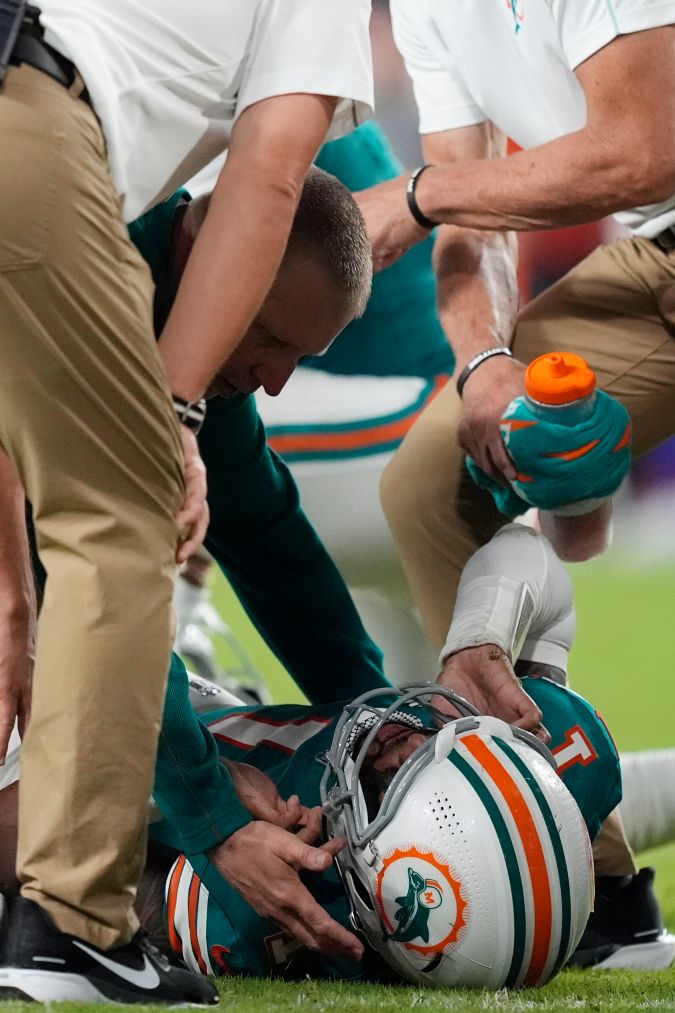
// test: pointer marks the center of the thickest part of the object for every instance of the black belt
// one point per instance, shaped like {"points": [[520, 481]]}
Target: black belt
{"points": [[38, 54], [666, 239], [30, 48]]}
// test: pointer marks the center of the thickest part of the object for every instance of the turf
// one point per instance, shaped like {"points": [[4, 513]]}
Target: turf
{"points": [[609, 992], [622, 661]]}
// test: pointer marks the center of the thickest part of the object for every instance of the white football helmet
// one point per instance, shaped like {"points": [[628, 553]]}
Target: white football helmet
{"points": [[477, 869]]}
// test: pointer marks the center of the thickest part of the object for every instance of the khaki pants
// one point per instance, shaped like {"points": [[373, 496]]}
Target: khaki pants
{"points": [[86, 416], [617, 310]]}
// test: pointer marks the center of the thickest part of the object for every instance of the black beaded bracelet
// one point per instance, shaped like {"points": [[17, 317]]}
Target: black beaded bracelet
{"points": [[414, 207], [474, 363], [190, 413]]}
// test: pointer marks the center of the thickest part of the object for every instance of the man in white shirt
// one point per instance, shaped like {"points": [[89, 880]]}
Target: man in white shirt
{"points": [[588, 88], [104, 110]]}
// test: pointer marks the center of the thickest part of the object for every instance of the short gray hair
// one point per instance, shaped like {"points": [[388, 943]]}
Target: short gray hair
{"points": [[328, 225]]}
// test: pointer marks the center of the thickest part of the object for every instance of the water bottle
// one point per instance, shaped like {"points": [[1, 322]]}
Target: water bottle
{"points": [[560, 387]]}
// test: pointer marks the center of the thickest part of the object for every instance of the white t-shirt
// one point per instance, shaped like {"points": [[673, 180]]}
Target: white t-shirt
{"points": [[512, 62], [168, 78]]}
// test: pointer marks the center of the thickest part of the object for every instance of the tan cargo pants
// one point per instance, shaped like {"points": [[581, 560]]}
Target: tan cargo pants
{"points": [[86, 416], [617, 310]]}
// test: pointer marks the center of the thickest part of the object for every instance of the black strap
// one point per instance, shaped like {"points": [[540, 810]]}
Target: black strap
{"points": [[36, 53]]}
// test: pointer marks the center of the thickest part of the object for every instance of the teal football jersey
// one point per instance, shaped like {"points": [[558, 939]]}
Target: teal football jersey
{"points": [[217, 932]]}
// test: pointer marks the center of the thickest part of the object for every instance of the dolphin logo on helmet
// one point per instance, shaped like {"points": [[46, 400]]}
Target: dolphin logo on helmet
{"points": [[413, 917]]}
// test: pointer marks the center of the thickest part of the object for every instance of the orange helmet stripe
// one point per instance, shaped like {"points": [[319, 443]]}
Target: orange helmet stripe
{"points": [[534, 853]]}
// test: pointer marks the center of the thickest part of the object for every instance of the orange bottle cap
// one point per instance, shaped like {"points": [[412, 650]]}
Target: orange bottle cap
{"points": [[559, 378]]}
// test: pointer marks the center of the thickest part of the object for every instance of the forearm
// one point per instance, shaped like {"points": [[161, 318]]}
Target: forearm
{"points": [[192, 788], [230, 269], [281, 572], [578, 178], [477, 289], [241, 243]]}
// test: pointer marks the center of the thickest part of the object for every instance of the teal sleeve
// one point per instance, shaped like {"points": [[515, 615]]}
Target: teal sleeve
{"points": [[192, 788], [280, 570], [151, 234]]}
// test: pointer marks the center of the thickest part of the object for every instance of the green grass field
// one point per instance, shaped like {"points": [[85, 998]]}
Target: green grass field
{"points": [[623, 661]]}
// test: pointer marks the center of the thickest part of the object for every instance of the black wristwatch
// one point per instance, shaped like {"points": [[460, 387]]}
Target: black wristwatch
{"points": [[190, 413]]}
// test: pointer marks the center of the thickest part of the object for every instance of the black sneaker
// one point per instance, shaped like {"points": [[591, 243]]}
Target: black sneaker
{"points": [[625, 930], [40, 963]]}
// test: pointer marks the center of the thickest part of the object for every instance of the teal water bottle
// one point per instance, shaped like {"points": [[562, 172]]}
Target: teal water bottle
{"points": [[570, 447], [561, 391]]}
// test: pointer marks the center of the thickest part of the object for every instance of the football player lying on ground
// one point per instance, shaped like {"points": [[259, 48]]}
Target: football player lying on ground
{"points": [[437, 825], [451, 834]]}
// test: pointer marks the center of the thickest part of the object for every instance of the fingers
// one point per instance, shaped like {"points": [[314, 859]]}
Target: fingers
{"points": [[276, 892], [296, 853], [305, 919], [334, 846], [538, 729], [194, 521], [313, 826], [291, 814], [193, 518], [501, 461], [542, 733], [443, 705], [308, 922], [529, 717], [195, 498], [195, 534]]}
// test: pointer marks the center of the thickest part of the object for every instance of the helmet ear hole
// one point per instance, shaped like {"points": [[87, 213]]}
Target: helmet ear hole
{"points": [[360, 889]]}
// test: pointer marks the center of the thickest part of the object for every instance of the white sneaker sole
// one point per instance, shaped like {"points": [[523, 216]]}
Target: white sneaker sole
{"points": [[45, 986], [656, 956]]}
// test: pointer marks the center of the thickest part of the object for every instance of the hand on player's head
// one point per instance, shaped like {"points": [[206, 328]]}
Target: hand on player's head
{"points": [[262, 862]]}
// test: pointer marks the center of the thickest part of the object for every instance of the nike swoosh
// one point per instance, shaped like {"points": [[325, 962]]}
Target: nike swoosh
{"points": [[147, 978]]}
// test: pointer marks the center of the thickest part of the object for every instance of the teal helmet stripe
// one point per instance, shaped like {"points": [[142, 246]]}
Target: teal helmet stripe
{"points": [[511, 860], [561, 863]]}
